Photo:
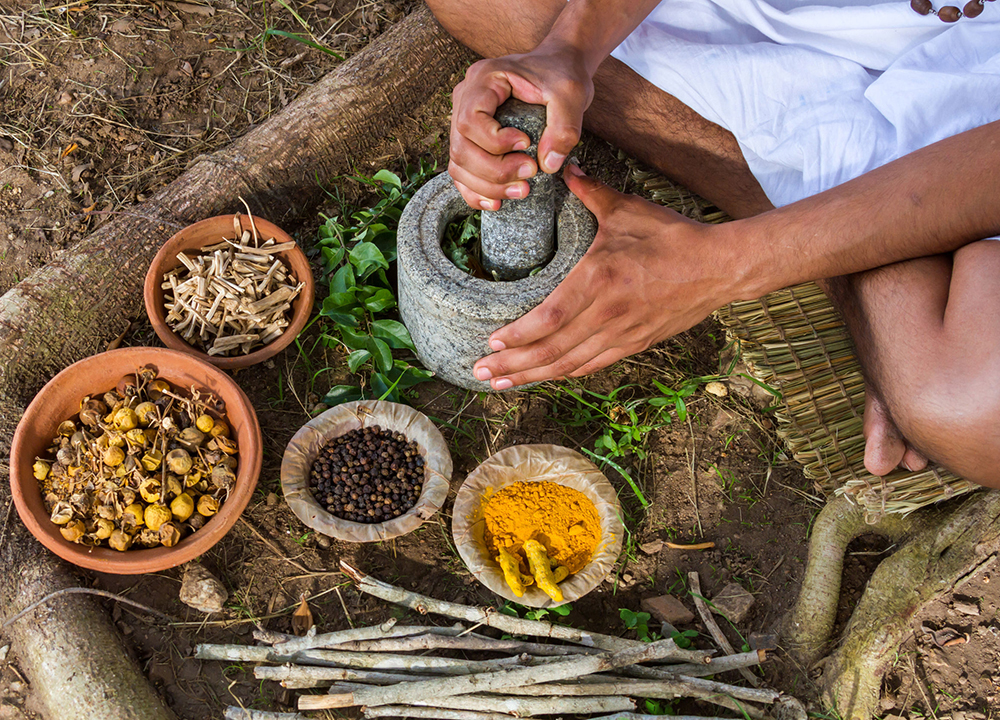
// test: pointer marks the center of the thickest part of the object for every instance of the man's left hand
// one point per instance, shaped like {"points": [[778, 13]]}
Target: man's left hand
{"points": [[649, 274]]}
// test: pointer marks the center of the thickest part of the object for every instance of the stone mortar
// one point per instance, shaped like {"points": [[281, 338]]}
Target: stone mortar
{"points": [[451, 314], [520, 236]]}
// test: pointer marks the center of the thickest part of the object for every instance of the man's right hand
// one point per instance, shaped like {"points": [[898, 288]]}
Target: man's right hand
{"points": [[485, 163]]}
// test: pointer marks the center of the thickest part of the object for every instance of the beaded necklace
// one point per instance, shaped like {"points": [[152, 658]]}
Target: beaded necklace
{"points": [[949, 13]]}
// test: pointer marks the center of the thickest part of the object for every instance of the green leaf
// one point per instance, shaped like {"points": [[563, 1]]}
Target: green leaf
{"points": [[380, 300], [343, 280], [356, 359], [563, 610], [381, 352], [353, 340], [382, 390], [298, 38], [341, 394], [343, 320], [332, 257], [388, 177], [406, 376], [394, 333], [340, 301], [367, 258]]}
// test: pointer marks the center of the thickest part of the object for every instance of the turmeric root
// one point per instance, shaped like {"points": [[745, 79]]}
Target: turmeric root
{"points": [[560, 573], [541, 569], [511, 571]]}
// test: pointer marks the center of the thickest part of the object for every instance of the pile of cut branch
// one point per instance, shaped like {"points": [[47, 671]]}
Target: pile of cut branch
{"points": [[583, 674]]}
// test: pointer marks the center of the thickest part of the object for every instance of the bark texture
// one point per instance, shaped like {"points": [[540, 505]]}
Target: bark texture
{"points": [[949, 549], [73, 307]]}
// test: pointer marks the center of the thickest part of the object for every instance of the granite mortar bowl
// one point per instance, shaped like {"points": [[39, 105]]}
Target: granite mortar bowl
{"points": [[60, 400], [305, 447], [210, 232]]}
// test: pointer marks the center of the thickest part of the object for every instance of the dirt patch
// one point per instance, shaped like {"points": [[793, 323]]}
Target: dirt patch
{"points": [[100, 104]]}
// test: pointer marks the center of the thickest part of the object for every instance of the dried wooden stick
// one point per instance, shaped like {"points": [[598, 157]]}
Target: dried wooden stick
{"points": [[321, 676], [408, 711], [327, 640], [531, 706], [713, 628], [498, 680], [490, 617], [237, 713], [641, 716], [720, 664], [466, 642]]}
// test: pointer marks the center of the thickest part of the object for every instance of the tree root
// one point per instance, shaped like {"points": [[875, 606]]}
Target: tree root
{"points": [[945, 548]]}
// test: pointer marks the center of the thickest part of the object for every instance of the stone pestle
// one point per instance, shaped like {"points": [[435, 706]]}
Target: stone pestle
{"points": [[451, 314], [520, 236]]}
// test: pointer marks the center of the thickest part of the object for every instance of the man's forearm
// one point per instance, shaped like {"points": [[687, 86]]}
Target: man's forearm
{"points": [[593, 28], [932, 201]]}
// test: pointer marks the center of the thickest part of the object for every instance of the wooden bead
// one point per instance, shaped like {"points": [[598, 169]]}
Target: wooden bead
{"points": [[949, 14], [972, 8], [923, 7]]}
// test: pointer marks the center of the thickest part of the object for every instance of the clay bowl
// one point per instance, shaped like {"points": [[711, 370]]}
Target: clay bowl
{"points": [[60, 400], [210, 232], [535, 463], [307, 443]]}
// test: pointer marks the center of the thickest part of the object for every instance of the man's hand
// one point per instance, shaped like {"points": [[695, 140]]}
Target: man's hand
{"points": [[650, 273], [485, 164]]}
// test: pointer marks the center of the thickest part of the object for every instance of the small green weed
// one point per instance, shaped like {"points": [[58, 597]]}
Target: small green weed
{"points": [[358, 249], [515, 610]]}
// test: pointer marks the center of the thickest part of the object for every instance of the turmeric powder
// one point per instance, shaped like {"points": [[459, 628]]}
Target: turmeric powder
{"points": [[562, 519]]}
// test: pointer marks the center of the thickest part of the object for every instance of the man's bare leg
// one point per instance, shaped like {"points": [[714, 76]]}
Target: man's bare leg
{"points": [[924, 329]]}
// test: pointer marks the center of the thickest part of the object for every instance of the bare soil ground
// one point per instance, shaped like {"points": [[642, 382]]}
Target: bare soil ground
{"points": [[101, 102]]}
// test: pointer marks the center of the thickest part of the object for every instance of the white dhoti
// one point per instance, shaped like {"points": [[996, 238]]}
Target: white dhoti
{"points": [[818, 93]]}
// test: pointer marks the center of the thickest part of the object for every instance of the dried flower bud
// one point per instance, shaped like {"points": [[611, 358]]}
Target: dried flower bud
{"points": [[132, 516], [62, 513], [182, 506], [192, 478], [150, 490], [73, 531], [151, 460], [126, 386], [66, 428], [156, 388], [104, 528], [124, 418], [114, 438], [175, 486], [190, 438], [113, 456], [41, 469], [120, 540], [146, 412], [197, 522], [136, 437], [90, 417], [205, 423], [170, 534], [179, 461], [148, 538], [78, 439], [226, 445], [207, 505], [219, 429], [66, 456], [223, 477], [156, 515]]}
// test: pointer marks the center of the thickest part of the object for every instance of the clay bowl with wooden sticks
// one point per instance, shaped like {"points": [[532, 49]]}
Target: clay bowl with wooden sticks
{"points": [[307, 444], [60, 400], [530, 464], [213, 232]]}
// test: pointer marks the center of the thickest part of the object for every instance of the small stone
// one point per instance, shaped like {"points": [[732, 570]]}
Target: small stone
{"points": [[6, 144], [626, 578], [763, 641], [272, 500], [966, 608], [323, 541], [668, 609], [3, 652], [201, 590], [716, 388], [732, 602], [652, 547], [16, 686]]}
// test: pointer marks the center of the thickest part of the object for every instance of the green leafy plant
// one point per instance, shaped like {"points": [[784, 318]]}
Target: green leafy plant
{"points": [[515, 610], [638, 621], [358, 249]]}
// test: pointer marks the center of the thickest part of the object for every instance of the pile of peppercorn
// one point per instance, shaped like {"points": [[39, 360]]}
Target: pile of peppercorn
{"points": [[368, 475]]}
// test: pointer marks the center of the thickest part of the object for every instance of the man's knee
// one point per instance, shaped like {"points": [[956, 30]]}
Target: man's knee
{"points": [[954, 419]]}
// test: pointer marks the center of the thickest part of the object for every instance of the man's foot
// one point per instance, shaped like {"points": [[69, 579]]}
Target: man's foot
{"points": [[885, 447]]}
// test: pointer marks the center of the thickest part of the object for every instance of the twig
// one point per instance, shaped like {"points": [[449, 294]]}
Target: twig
{"points": [[694, 479], [531, 706], [86, 591], [713, 628], [497, 680], [693, 546], [238, 713], [340, 637], [344, 606], [468, 642], [306, 676], [406, 711], [720, 664], [506, 623]]}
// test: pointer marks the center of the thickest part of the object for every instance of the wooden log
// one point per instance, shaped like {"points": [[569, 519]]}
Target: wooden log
{"points": [[74, 306]]}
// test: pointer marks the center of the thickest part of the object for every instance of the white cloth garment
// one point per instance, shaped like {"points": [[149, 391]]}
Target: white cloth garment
{"points": [[818, 92]]}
